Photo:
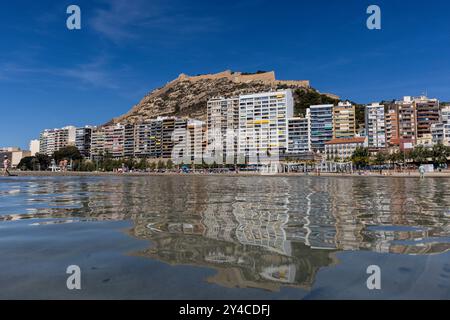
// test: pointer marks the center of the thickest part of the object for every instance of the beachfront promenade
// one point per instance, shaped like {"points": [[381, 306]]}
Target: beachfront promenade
{"points": [[363, 174]]}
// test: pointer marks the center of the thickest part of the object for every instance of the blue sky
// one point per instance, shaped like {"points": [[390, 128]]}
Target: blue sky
{"points": [[52, 77]]}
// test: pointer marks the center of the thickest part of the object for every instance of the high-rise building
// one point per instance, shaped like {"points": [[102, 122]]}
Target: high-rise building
{"points": [[392, 134], [299, 138], [156, 137], [263, 125], [142, 139], [115, 140], [197, 140], [445, 115], [47, 142], [375, 126], [344, 120], [65, 137], [321, 126], [181, 147], [83, 137], [223, 126], [97, 143], [168, 126], [129, 140], [34, 147], [440, 131], [427, 113], [52, 140], [407, 124]]}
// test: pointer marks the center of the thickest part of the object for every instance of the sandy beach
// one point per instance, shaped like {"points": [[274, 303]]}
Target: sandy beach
{"points": [[443, 174]]}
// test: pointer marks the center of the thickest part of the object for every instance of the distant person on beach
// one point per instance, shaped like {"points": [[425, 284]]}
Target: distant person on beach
{"points": [[422, 171], [6, 164]]}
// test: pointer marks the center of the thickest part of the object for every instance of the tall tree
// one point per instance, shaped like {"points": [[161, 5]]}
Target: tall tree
{"points": [[440, 154], [43, 160], [380, 159], [419, 155], [67, 153], [360, 157]]}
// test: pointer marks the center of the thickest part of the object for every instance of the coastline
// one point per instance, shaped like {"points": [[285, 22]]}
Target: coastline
{"points": [[444, 174]]}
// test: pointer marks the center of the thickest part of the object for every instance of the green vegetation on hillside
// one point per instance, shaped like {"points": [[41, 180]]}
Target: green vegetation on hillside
{"points": [[306, 98]]}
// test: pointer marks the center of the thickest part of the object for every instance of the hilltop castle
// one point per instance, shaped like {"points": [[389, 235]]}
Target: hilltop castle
{"points": [[239, 77]]}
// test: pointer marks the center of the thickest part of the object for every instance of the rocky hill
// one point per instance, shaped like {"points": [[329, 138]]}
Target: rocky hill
{"points": [[187, 96]]}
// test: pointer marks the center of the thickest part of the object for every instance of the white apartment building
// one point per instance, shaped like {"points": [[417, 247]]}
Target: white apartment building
{"points": [[47, 142], [440, 132], [181, 149], [52, 140], [223, 126], [445, 115], [375, 126], [34, 147], [299, 135], [263, 125], [342, 149]]}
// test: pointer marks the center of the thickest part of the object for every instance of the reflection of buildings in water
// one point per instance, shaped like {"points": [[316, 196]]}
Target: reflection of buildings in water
{"points": [[245, 241], [310, 221], [251, 221], [258, 232], [219, 221], [373, 207], [344, 211], [341, 214], [238, 265], [319, 223], [262, 218], [262, 228]]}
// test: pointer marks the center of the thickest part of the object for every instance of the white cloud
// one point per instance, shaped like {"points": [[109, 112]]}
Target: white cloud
{"points": [[125, 20], [95, 73]]}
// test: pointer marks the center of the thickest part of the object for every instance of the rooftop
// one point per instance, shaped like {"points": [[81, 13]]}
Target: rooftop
{"points": [[346, 140]]}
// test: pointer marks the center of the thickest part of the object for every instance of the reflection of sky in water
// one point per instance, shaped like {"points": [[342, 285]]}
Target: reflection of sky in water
{"points": [[237, 237]]}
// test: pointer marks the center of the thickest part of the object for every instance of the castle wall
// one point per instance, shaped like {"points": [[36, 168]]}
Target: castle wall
{"points": [[238, 77]]}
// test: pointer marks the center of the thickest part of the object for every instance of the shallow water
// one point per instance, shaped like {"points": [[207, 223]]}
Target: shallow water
{"points": [[200, 237]]}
